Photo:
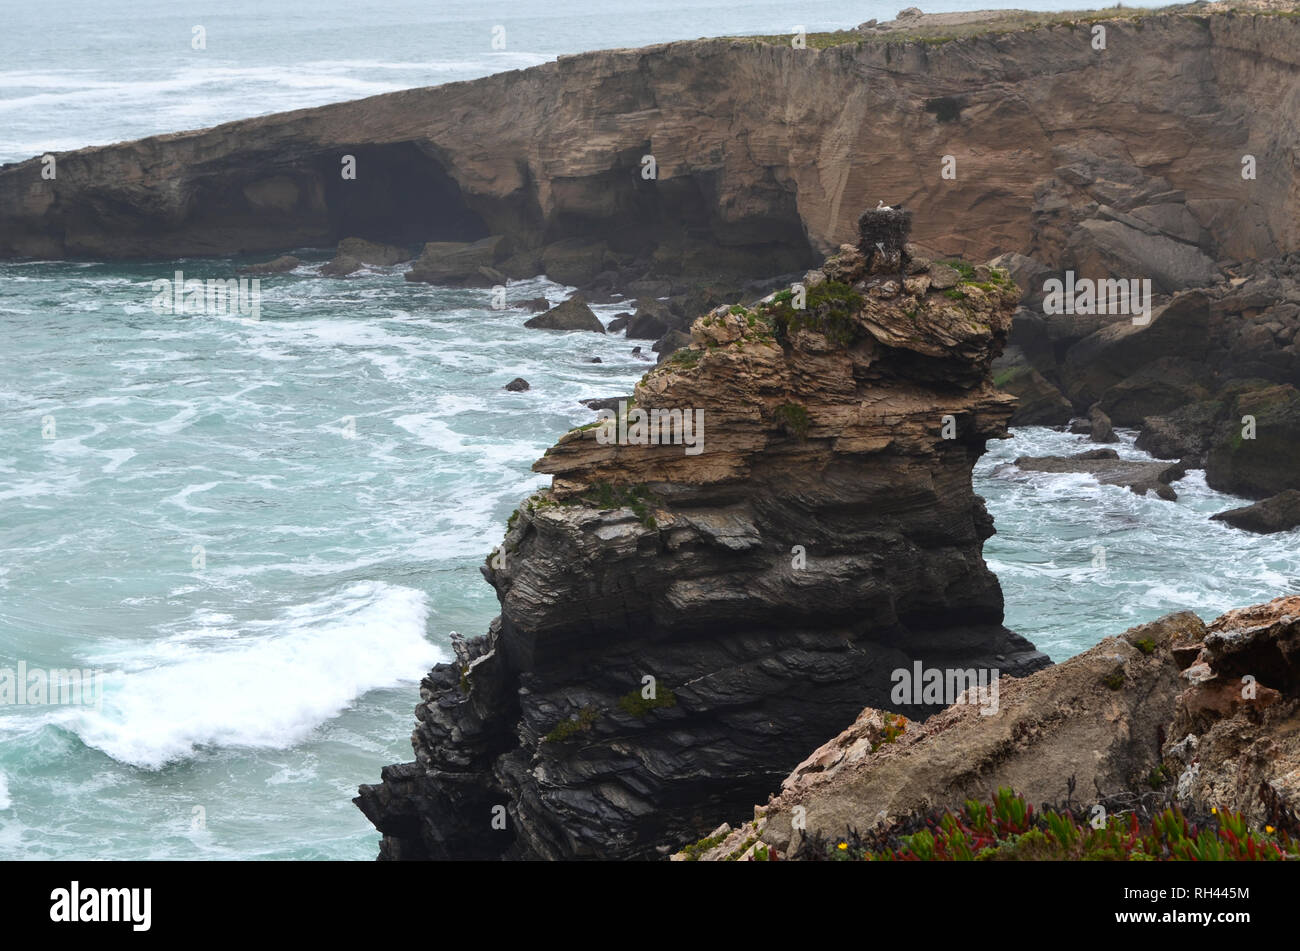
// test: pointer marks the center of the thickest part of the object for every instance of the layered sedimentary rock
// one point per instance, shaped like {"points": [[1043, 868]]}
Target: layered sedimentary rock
{"points": [[1204, 717], [814, 531], [1124, 160]]}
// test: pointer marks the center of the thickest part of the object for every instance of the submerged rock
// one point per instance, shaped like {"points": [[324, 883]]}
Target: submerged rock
{"points": [[373, 252], [286, 262], [341, 266], [681, 621], [1110, 469], [534, 304], [517, 385], [355, 253]]}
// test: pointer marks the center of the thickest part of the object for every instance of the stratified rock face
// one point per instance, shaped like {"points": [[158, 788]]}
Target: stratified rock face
{"points": [[816, 532], [1122, 161], [1205, 717], [1235, 737]]}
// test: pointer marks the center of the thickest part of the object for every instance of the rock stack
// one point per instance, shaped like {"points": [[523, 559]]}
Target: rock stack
{"points": [[681, 621]]}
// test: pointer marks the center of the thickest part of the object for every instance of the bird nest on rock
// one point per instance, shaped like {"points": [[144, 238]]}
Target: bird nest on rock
{"points": [[884, 232]]}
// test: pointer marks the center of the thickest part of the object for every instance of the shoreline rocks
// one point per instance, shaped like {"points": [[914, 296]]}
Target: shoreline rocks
{"points": [[1204, 716]]}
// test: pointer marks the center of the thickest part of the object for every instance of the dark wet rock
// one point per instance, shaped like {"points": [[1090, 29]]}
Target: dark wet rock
{"points": [[670, 343], [650, 289], [1279, 513], [618, 323], [575, 261], [595, 360], [1124, 350], [286, 262], [517, 385], [1109, 469], [1166, 385], [573, 314], [535, 305], [1099, 426], [1269, 462], [1185, 433], [699, 300], [373, 252], [607, 402], [355, 253], [462, 263], [521, 265], [1039, 403], [341, 266], [651, 321]]}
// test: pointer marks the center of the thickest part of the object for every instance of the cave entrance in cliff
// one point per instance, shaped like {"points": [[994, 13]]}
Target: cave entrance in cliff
{"points": [[401, 195]]}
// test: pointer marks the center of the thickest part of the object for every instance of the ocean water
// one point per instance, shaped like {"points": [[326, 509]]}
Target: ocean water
{"points": [[260, 531], [258, 535]]}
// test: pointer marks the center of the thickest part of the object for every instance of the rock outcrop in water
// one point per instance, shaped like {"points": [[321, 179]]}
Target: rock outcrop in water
{"points": [[1199, 716], [1211, 379], [824, 535]]}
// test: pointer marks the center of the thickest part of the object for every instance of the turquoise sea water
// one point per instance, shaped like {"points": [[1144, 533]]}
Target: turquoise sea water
{"points": [[344, 464], [262, 532]]}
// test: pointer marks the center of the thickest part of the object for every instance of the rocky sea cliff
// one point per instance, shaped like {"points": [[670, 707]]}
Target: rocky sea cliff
{"points": [[826, 536], [774, 538]]}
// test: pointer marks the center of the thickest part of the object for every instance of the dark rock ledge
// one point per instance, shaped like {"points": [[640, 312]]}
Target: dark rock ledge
{"points": [[824, 429]]}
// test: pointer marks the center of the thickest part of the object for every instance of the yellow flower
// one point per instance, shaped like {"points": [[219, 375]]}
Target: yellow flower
{"points": [[1268, 829], [1214, 810], [843, 846]]}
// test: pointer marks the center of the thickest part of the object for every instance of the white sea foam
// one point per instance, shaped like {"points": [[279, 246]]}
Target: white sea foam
{"points": [[270, 686]]}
